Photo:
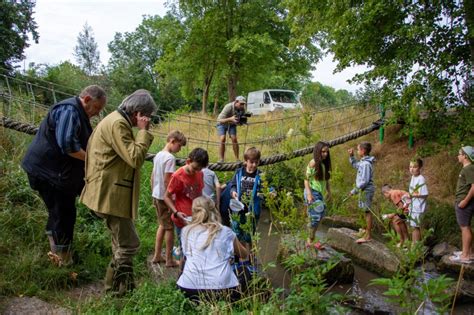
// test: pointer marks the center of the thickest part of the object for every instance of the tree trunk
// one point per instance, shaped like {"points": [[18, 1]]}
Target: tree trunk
{"points": [[232, 87], [216, 104], [469, 16]]}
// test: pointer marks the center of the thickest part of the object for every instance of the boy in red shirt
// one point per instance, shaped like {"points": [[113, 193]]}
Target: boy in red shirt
{"points": [[185, 185]]}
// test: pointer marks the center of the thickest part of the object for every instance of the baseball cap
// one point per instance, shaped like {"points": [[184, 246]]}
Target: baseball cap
{"points": [[469, 151], [241, 99]]}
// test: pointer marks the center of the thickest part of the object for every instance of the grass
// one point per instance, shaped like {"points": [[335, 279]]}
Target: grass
{"points": [[26, 271]]}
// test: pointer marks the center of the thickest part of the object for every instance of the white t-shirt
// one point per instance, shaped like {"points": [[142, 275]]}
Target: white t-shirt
{"points": [[210, 182], [209, 268], [418, 183], [163, 162]]}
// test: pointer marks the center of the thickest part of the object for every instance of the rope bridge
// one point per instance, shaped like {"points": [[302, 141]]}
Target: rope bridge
{"points": [[23, 100], [277, 158]]}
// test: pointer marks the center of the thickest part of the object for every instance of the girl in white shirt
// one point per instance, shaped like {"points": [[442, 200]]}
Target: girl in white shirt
{"points": [[208, 248]]}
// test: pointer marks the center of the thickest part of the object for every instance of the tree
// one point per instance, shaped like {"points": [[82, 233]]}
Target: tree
{"points": [[16, 23], [134, 55], [244, 43], [420, 53], [86, 51], [315, 94]]}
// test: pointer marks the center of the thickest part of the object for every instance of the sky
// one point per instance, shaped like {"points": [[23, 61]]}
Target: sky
{"points": [[61, 21]]}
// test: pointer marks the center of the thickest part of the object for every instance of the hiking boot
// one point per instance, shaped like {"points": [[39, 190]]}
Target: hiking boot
{"points": [[123, 281], [109, 277]]}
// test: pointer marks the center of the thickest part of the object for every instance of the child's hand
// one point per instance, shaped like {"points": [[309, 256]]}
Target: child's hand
{"points": [[310, 198], [182, 217], [350, 151], [234, 195]]}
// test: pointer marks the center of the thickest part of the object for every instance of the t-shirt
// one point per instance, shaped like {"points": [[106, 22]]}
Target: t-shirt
{"points": [[164, 162], [210, 183], [400, 198], [209, 268], [418, 187], [314, 184], [185, 188], [227, 112], [465, 180], [247, 182]]}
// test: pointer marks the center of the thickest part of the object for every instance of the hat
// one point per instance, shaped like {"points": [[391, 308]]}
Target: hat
{"points": [[241, 99], [469, 151]]}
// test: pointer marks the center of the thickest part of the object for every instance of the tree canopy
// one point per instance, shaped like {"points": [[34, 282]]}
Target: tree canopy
{"points": [[419, 53], [16, 24]]}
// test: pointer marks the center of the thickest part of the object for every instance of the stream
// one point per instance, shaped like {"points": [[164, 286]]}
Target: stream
{"points": [[372, 298]]}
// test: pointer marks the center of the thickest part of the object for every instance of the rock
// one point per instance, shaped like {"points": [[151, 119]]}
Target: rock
{"points": [[447, 265], [373, 255], [339, 221], [342, 272], [442, 249], [32, 305]]}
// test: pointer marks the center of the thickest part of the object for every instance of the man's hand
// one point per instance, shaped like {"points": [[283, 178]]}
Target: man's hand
{"points": [[462, 204], [234, 119], [143, 122]]}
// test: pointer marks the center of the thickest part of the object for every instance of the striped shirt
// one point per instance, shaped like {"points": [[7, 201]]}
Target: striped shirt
{"points": [[68, 127]]}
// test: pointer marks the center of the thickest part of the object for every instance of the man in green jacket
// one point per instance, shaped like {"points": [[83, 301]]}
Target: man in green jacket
{"points": [[113, 161]]}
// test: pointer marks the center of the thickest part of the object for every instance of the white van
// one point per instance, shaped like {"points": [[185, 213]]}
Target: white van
{"points": [[263, 101]]}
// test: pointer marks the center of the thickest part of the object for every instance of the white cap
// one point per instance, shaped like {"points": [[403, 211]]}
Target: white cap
{"points": [[241, 99]]}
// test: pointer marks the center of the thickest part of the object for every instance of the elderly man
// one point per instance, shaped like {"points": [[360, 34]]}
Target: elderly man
{"points": [[54, 163], [114, 158], [227, 123]]}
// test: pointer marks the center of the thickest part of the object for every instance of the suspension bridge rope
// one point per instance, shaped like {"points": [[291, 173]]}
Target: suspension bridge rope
{"points": [[225, 167]]}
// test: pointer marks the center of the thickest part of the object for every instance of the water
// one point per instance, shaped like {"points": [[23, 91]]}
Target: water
{"points": [[371, 297]]}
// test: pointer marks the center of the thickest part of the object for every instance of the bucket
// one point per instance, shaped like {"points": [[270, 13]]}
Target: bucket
{"points": [[236, 205]]}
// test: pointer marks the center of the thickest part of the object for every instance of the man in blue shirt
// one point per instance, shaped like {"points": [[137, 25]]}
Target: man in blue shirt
{"points": [[54, 163]]}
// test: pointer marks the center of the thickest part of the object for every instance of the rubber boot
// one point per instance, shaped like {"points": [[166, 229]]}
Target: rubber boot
{"points": [[123, 281], [109, 277]]}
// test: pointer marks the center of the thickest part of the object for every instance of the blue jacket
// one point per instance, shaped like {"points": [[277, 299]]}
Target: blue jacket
{"points": [[235, 185]]}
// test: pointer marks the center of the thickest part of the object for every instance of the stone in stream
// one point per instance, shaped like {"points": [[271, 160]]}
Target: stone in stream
{"points": [[454, 268], [373, 255], [338, 221], [442, 249], [342, 272]]}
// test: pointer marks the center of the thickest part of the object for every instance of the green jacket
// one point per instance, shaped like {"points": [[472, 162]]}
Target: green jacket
{"points": [[113, 160]]}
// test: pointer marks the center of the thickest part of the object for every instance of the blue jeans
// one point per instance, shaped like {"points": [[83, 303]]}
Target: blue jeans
{"points": [[317, 209], [222, 129]]}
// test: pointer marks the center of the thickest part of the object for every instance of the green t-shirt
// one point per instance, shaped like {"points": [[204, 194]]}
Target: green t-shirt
{"points": [[314, 184], [465, 180]]}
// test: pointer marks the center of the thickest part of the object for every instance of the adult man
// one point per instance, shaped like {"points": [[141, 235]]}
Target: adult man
{"points": [[227, 123], [54, 163], [113, 161]]}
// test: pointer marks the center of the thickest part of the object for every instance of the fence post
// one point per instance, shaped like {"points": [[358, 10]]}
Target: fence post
{"points": [[382, 116]]}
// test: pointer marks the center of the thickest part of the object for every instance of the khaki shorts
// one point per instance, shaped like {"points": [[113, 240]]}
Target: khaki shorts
{"points": [[163, 213]]}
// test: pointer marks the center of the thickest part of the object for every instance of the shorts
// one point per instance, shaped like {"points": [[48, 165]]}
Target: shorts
{"points": [[464, 215], [414, 219], [316, 210], [222, 129], [163, 213], [365, 200]]}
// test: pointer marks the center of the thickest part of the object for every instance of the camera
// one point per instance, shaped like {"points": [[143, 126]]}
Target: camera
{"points": [[242, 117]]}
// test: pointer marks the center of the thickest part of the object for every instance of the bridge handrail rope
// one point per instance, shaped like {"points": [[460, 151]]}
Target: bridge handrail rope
{"points": [[276, 158]]}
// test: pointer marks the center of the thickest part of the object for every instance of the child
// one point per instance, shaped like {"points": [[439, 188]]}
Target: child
{"points": [[418, 192], [212, 187], [163, 168], [316, 184], [186, 184], [465, 203], [364, 184], [401, 199], [244, 186]]}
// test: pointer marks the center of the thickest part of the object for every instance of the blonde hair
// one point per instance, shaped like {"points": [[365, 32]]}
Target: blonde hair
{"points": [[178, 136], [205, 214]]}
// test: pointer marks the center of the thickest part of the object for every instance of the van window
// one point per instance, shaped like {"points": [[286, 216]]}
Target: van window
{"points": [[283, 97], [266, 98]]}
